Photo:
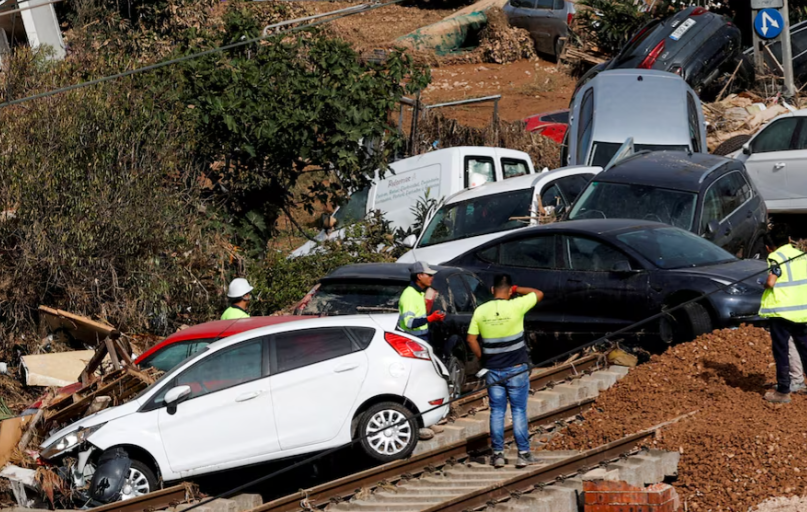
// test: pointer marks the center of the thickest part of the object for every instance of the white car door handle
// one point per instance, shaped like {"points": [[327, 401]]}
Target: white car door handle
{"points": [[346, 367], [779, 165], [247, 396]]}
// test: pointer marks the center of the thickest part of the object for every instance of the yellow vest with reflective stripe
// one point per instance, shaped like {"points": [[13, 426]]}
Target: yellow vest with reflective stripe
{"points": [[234, 313], [412, 305], [788, 298]]}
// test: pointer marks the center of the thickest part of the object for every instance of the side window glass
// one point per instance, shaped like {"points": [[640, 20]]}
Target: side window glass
{"points": [[362, 335], [538, 252], [551, 197], [199, 345], [545, 4], [225, 369], [776, 137], [491, 254], [168, 357], [480, 292], [694, 129], [527, 4], [459, 294], [730, 189], [297, 349], [512, 168], [712, 209], [559, 5], [801, 140], [588, 255], [479, 170], [586, 121]]}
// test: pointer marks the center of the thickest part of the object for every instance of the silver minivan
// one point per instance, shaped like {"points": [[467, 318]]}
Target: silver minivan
{"points": [[547, 21], [657, 109]]}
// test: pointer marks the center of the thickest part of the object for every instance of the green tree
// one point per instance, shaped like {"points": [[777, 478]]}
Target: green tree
{"points": [[271, 112]]}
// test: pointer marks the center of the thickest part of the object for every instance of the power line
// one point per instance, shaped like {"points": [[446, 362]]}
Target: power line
{"points": [[598, 341], [192, 56]]}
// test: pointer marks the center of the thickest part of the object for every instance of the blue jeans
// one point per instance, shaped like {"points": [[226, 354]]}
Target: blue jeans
{"points": [[516, 390]]}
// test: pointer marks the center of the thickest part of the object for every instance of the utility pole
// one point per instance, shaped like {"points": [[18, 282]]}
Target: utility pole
{"points": [[787, 54], [770, 22]]}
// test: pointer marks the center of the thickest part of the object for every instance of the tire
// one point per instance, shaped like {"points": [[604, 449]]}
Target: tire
{"points": [[731, 145], [141, 481], [693, 321], [375, 440], [456, 377], [558, 47]]}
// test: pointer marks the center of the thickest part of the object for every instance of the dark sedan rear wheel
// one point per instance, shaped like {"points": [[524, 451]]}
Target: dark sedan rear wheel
{"points": [[694, 321]]}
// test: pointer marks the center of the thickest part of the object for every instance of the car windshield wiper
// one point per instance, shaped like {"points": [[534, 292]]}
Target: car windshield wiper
{"points": [[376, 309]]}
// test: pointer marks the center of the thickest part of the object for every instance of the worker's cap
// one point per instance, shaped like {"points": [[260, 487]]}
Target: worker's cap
{"points": [[421, 267]]}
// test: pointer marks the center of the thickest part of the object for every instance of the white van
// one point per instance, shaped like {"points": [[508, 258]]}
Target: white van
{"points": [[472, 217], [439, 173]]}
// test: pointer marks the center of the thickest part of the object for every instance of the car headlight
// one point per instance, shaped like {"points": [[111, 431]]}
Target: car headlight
{"points": [[733, 289], [69, 441]]}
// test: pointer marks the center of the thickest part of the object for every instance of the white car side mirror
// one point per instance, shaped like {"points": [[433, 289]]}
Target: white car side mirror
{"points": [[409, 242], [175, 394], [747, 148]]}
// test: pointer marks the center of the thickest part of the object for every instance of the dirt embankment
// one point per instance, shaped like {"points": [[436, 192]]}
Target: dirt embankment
{"points": [[737, 450]]}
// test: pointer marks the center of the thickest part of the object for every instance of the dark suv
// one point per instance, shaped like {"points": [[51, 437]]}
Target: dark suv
{"points": [[710, 195], [696, 44]]}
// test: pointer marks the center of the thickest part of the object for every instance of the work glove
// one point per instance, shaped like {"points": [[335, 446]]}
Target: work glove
{"points": [[437, 316], [513, 290]]}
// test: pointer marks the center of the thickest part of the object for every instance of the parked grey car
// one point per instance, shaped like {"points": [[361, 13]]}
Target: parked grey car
{"points": [[655, 108], [546, 20]]}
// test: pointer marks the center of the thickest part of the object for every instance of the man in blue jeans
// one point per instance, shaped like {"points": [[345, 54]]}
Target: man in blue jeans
{"points": [[502, 351]]}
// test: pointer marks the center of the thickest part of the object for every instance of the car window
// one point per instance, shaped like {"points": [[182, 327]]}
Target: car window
{"points": [[584, 254], [586, 122], [491, 254], [362, 335], [354, 297], [536, 252], [461, 299], [480, 292], [669, 247], [801, 137], [733, 192], [168, 357], [512, 168], [712, 209], [776, 137], [798, 41], [354, 209], [550, 196], [545, 4], [571, 186], [226, 368], [479, 170], [559, 5], [557, 117], [527, 4], [296, 349], [694, 124]]}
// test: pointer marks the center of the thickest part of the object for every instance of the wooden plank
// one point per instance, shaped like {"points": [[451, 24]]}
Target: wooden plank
{"points": [[113, 353], [80, 327]]}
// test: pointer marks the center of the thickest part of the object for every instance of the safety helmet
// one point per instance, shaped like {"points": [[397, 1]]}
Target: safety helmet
{"points": [[238, 288]]}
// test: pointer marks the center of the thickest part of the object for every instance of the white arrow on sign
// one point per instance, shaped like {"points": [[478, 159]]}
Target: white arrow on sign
{"points": [[766, 19]]}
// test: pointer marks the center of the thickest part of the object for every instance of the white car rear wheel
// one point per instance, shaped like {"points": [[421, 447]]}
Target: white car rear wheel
{"points": [[388, 432]]}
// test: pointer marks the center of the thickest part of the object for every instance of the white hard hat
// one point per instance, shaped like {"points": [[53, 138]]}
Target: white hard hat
{"points": [[238, 288]]}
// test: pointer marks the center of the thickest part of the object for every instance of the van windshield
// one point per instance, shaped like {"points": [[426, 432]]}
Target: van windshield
{"points": [[603, 200], [354, 209], [604, 151], [479, 216]]}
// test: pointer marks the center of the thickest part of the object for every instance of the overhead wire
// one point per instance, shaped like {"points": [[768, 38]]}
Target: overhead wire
{"points": [[599, 341]]}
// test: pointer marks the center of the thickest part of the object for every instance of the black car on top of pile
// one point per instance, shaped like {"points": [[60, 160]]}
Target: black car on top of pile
{"points": [[694, 43]]}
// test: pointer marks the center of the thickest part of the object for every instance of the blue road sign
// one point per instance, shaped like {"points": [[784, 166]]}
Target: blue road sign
{"points": [[769, 23]]}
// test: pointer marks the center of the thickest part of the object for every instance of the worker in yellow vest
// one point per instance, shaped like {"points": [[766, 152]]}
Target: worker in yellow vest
{"points": [[784, 302], [413, 315], [238, 294]]}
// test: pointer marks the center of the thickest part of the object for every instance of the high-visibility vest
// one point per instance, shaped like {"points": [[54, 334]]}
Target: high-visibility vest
{"points": [[234, 313], [411, 306], [500, 325], [788, 297]]}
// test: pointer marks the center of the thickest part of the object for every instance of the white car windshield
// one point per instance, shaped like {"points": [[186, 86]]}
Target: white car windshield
{"points": [[602, 200], [479, 216], [670, 248]]}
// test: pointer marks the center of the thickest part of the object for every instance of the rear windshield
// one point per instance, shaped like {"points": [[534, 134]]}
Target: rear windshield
{"points": [[640, 37], [479, 216], [603, 152], [624, 201], [557, 117], [670, 248], [356, 297]]}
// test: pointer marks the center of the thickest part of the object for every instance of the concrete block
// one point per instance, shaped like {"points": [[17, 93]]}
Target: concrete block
{"points": [[570, 393], [472, 427], [564, 498], [451, 434], [633, 472], [550, 398], [605, 379], [601, 474], [535, 407], [223, 505], [247, 501], [653, 471], [183, 506], [622, 370], [426, 446], [532, 502], [590, 387], [669, 461]]}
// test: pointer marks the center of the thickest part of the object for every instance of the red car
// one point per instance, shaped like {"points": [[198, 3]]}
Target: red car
{"points": [[175, 348], [550, 124]]}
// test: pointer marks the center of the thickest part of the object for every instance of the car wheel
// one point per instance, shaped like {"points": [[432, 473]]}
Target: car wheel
{"points": [[666, 331], [731, 145], [456, 377], [694, 321], [141, 480], [388, 432], [558, 49]]}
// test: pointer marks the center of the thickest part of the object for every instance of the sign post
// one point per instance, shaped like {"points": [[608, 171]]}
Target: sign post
{"points": [[770, 23]]}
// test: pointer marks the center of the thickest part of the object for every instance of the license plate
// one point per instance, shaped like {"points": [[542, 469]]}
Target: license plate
{"points": [[676, 35]]}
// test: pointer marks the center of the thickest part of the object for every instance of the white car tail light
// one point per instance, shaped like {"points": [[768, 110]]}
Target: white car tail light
{"points": [[406, 347]]}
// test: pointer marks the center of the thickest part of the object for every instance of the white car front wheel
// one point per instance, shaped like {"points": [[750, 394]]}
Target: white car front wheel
{"points": [[388, 432]]}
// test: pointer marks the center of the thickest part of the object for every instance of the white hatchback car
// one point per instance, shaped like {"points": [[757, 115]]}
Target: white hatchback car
{"points": [[266, 394]]}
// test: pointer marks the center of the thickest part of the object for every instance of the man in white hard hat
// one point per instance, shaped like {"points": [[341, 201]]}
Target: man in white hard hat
{"points": [[238, 295]]}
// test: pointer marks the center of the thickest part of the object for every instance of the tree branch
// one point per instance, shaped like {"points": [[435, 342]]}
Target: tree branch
{"points": [[288, 214]]}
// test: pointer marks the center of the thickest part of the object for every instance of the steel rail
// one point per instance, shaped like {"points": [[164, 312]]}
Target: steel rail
{"points": [[164, 498], [539, 476], [538, 380], [346, 487]]}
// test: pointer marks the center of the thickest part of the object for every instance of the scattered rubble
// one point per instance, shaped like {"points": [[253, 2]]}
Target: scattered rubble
{"points": [[737, 450], [500, 43], [738, 114]]}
